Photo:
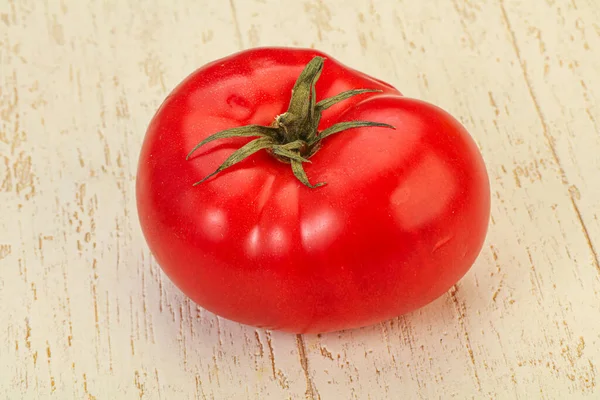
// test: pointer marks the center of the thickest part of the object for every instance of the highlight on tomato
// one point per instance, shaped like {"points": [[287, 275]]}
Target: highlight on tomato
{"points": [[280, 188]]}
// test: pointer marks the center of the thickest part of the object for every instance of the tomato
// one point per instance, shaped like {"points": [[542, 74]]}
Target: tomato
{"points": [[300, 229]]}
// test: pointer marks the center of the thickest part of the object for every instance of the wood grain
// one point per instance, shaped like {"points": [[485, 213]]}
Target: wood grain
{"points": [[86, 312]]}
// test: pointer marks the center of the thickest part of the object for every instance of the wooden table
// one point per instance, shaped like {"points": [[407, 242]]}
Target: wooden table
{"points": [[85, 311]]}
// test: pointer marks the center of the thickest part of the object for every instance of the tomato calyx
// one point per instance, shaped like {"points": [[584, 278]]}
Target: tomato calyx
{"points": [[293, 137]]}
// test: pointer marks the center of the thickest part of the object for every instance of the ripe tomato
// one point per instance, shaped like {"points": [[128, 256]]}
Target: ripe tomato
{"points": [[401, 219]]}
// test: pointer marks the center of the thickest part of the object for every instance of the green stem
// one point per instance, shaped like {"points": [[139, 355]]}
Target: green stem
{"points": [[294, 135]]}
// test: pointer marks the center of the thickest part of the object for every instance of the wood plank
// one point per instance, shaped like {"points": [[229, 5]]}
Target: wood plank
{"points": [[88, 312]]}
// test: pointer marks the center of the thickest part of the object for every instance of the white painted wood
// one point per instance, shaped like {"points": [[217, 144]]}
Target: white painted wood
{"points": [[87, 314]]}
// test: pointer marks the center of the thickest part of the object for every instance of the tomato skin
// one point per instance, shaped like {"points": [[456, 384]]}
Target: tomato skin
{"points": [[402, 218]]}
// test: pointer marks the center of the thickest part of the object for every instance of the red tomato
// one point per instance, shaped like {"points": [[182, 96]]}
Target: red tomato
{"points": [[402, 218]]}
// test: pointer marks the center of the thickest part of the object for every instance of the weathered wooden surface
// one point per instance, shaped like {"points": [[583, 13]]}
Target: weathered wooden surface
{"points": [[85, 311]]}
